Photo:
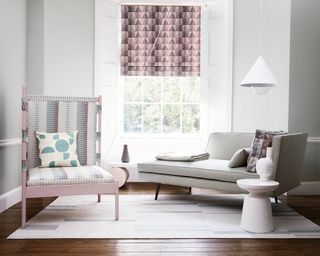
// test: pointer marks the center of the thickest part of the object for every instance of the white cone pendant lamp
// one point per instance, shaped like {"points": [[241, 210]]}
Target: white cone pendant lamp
{"points": [[259, 78]]}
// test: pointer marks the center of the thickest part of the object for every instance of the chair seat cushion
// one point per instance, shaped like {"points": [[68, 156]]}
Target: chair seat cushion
{"points": [[213, 169], [57, 176]]}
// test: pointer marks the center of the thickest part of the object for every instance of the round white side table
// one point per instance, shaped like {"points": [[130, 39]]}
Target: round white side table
{"points": [[120, 171], [256, 212]]}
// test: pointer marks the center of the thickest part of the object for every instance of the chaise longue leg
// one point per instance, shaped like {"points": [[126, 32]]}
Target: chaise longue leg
{"points": [[157, 191], [99, 198], [189, 190]]}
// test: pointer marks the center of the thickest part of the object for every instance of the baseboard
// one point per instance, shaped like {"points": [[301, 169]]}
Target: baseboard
{"points": [[306, 188], [10, 198]]}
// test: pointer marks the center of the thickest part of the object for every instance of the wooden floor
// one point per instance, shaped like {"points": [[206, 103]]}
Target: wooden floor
{"points": [[309, 206]]}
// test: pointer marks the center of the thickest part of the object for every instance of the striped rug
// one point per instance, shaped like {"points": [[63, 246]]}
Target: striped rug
{"points": [[172, 216]]}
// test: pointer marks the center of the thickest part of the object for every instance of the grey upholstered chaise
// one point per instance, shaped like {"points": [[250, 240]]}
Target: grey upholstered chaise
{"points": [[214, 173]]}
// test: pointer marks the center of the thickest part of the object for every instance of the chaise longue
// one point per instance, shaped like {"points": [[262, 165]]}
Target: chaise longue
{"points": [[288, 156]]}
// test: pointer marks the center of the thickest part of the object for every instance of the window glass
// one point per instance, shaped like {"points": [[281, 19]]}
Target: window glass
{"points": [[155, 105]]}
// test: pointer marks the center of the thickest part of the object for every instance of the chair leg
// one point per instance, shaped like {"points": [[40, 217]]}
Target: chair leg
{"points": [[157, 191], [116, 206], [99, 198], [190, 190], [23, 211], [276, 200]]}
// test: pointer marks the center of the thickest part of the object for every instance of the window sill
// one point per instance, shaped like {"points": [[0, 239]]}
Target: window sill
{"points": [[188, 141], [160, 136]]}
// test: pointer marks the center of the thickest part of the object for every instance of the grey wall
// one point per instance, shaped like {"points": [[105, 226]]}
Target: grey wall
{"points": [[35, 46], [12, 76], [304, 67], [69, 47], [10, 168], [304, 103], [61, 47], [268, 111], [312, 162]]}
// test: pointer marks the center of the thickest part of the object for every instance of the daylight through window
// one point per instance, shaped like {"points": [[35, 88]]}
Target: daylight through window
{"points": [[161, 104]]}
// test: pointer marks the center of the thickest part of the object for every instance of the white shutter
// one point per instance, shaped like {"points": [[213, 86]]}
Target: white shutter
{"points": [[216, 63], [107, 67], [107, 45]]}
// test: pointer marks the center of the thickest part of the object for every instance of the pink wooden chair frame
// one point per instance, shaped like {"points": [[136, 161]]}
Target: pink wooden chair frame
{"points": [[62, 190]]}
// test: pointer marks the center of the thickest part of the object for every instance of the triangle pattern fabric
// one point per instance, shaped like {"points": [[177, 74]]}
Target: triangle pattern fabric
{"points": [[160, 40]]}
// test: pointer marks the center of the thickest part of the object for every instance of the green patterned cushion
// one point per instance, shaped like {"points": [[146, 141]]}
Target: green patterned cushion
{"points": [[58, 149]]}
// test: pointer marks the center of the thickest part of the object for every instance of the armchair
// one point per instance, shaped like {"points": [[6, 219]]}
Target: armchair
{"points": [[63, 114]]}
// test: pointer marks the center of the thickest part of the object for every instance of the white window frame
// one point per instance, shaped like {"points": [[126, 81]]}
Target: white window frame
{"points": [[213, 120], [203, 89]]}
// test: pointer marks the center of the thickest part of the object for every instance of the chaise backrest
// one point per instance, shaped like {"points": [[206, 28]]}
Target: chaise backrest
{"points": [[223, 145], [62, 114], [288, 152]]}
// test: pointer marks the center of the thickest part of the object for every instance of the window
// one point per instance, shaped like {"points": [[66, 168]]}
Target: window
{"points": [[161, 104], [160, 69]]}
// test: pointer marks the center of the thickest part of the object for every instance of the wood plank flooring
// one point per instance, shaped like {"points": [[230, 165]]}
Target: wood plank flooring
{"points": [[309, 206]]}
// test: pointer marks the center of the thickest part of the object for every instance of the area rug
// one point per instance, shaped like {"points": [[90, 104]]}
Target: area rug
{"points": [[171, 216]]}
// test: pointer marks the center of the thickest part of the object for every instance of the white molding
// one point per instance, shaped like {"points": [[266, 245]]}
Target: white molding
{"points": [[314, 140], [230, 67], [97, 50], [10, 142], [306, 188], [10, 198]]}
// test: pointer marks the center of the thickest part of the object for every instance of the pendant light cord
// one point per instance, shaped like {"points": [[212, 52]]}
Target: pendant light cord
{"points": [[260, 43]]}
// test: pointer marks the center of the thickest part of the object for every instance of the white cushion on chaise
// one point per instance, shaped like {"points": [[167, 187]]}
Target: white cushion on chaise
{"points": [[212, 169]]}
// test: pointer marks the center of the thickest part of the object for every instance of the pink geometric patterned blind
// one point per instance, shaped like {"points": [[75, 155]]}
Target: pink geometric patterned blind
{"points": [[160, 40]]}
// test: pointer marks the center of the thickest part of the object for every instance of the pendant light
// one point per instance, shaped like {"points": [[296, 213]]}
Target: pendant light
{"points": [[259, 78]]}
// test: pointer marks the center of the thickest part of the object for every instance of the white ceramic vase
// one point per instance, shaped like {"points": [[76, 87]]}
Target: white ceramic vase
{"points": [[264, 166]]}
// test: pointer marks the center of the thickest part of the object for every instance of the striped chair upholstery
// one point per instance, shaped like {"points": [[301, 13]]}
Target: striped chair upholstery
{"points": [[62, 114]]}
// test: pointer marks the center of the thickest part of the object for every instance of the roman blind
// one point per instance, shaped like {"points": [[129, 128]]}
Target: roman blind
{"points": [[160, 40]]}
